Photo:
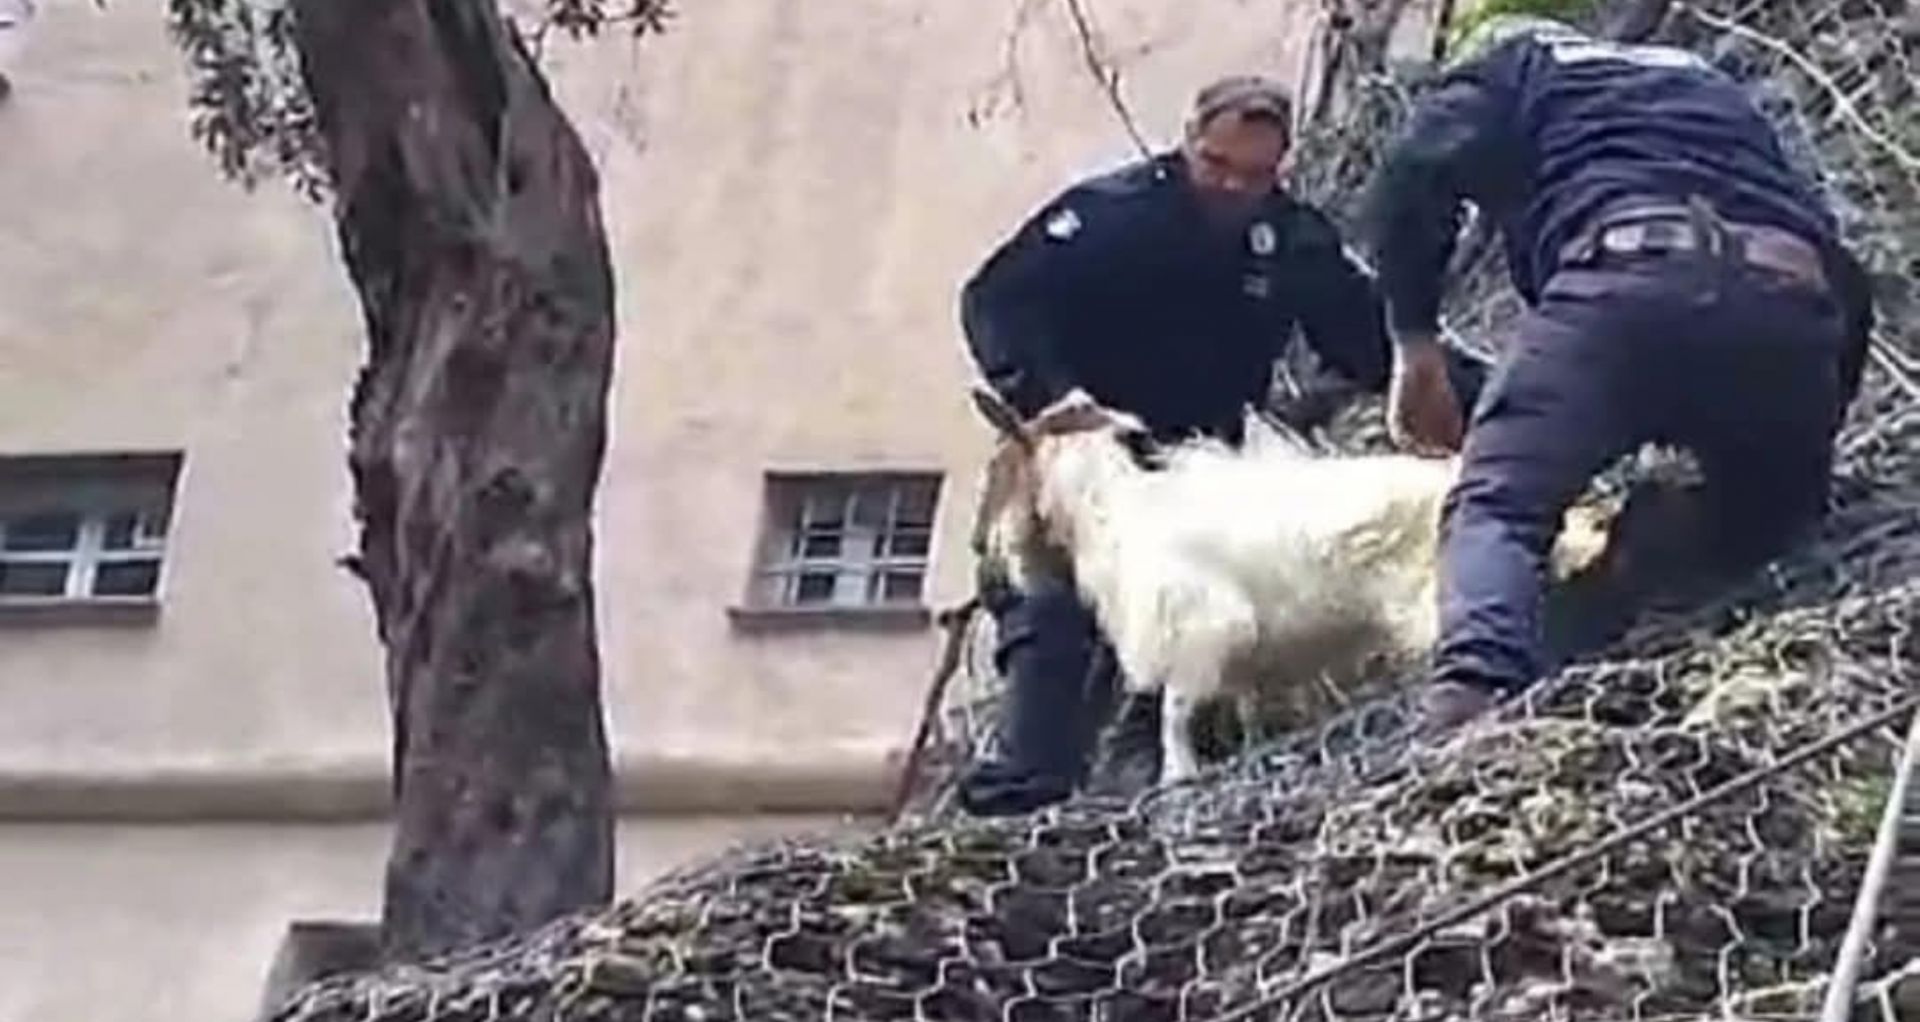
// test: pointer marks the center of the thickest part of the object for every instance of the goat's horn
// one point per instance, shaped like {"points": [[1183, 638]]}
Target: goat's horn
{"points": [[997, 412]]}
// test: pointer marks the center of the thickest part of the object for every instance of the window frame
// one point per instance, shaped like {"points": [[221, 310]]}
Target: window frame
{"points": [[89, 552], [94, 491], [865, 551]]}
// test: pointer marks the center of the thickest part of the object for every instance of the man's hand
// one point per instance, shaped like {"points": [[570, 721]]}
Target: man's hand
{"points": [[1423, 414]]}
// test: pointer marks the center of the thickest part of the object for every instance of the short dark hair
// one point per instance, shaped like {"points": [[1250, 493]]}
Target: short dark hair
{"points": [[1248, 96]]}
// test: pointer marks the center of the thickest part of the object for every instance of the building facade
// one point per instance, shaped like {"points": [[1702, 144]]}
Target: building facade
{"points": [[193, 740]]}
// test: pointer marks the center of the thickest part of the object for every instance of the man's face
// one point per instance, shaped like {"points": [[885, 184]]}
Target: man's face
{"points": [[1233, 162]]}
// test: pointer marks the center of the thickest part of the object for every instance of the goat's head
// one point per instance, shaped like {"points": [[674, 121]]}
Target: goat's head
{"points": [[1006, 523]]}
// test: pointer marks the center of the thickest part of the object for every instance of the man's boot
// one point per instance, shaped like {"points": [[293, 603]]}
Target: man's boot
{"points": [[1048, 715]]}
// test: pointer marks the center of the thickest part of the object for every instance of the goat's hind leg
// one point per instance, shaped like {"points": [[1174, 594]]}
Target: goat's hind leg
{"points": [[1180, 762]]}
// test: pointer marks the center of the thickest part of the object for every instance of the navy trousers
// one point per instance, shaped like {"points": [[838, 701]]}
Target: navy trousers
{"points": [[1062, 687], [1059, 691], [1733, 362]]}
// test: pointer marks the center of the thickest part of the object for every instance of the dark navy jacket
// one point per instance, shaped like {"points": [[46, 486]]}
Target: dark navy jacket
{"points": [[1544, 132], [1118, 286]]}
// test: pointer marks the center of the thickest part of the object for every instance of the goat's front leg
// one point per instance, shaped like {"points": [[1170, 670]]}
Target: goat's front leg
{"points": [[1179, 762], [1213, 624]]}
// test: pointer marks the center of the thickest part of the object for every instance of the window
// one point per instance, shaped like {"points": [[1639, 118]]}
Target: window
{"points": [[14, 16], [83, 529], [846, 542]]}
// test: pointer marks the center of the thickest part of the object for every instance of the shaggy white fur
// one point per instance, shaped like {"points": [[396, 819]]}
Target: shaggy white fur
{"points": [[1284, 580]]}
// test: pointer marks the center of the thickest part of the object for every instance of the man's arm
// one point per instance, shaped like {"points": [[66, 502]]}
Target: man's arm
{"points": [[1454, 148], [1011, 308], [1341, 313]]}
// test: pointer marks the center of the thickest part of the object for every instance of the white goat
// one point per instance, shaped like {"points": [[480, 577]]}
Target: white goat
{"points": [[1285, 580]]}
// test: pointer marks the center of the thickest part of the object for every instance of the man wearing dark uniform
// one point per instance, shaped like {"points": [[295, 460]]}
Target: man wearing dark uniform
{"points": [[1166, 288], [1685, 285]]}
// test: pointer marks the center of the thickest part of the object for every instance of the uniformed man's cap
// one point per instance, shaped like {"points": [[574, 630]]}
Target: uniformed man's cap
{"points": [[1244, 95]]}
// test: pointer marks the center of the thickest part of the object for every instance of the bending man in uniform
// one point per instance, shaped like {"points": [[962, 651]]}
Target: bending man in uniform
{"points": [[1166, 288], [1685, 285]]}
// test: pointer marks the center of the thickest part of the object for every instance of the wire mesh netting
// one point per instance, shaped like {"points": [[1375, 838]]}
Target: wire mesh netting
{"points": [[1209, 899]]}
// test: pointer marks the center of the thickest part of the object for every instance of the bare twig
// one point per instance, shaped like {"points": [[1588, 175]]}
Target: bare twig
{"points": [[1331, 40], [1107, 75], [1006, 79], [1301, 95], [1843, 105], [954, 620]]}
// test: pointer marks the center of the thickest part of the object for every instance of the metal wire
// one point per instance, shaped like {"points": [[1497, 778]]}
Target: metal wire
{"points": [[1841, 989], [1586, 857]]}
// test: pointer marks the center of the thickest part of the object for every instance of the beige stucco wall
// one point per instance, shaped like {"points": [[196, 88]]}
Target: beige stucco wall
{"points": [[793, 191], [795, 194], [181, 922], [144, 304]]}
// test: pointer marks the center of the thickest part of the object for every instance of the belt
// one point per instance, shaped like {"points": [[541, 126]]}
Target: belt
{"points": [[1660, 230]]}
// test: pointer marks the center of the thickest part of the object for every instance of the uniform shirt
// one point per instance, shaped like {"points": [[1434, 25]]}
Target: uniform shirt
{"points": [[1119, 286], [1543, 132]]}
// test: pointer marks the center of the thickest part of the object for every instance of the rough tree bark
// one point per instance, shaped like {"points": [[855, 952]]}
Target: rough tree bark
{"points": [[467, 210]]}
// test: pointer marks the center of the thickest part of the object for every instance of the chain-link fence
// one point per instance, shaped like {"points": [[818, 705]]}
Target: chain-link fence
{"points": [[1258, 891]]}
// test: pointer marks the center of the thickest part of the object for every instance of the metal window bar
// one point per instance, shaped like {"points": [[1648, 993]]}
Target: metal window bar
{"points": [[90, 552], [864, 560]]}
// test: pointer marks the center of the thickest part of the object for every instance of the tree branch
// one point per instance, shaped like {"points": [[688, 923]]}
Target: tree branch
{"points": [[1105, 74]]}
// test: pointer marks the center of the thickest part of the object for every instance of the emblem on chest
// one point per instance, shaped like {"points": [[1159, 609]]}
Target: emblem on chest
{"points": [[1262, 239]]}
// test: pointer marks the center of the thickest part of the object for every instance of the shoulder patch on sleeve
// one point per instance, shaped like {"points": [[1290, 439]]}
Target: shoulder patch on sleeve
{"points": [[1063, 224]]}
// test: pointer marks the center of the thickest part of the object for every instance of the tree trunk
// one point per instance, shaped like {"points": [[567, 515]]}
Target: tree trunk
{"points": [[467, 210]]}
